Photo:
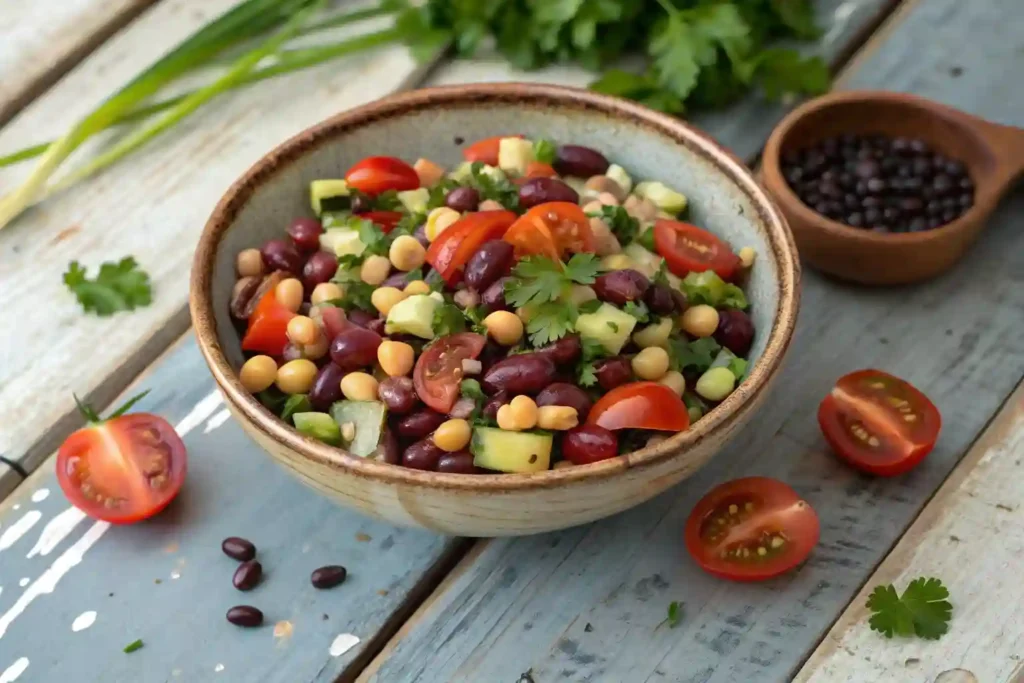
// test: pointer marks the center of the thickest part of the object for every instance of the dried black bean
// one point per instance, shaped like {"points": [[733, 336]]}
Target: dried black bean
{"points": [[240, 549], [248, 575], [245, 615], [329, 576]]}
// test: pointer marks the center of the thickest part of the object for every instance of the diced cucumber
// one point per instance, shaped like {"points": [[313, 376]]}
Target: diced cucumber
{"points": [[656, 334], [648, 262], [414, 315], [619, 175], [367, 420], [415, 201], [664, 197], [342, 241], [608, 326], [329, 195], [462, 172], [505, 451], [514, 154], [319, 426]]}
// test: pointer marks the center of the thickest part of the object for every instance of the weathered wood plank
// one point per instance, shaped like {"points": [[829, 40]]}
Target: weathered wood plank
{"points": [[9, 479], [958, 338], [167, 583], [971, 535]]}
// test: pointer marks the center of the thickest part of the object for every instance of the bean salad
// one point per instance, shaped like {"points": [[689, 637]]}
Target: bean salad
{"points": [[532, 307]]}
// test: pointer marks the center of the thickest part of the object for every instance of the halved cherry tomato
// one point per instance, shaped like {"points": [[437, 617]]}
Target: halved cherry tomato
{"points": [[439, 369], [751, 529], [538, 169], [486, 150], [552, 229], [123, 469], [450, 252], [640, 405], [374, 175], [387, 220], [268, 326], [687, 248], [879, 423]]}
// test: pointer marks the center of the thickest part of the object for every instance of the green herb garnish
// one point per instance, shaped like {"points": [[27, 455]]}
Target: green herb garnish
{"points": [[542, 286], [133, 646], [120, 286], [675, 614], [623, 225], [697, 355], [545, 151], [448, 319], [923, 610]]}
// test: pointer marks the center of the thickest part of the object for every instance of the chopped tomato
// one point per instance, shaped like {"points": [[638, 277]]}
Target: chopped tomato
{"points": [[123, 469], [879, 423], [687, 249], [486, 150], [751, 529], [268, 326], [640, 405], [538, 169], [552, 229], [450, 252], [374, 175], [387, 220], [439, 371]]}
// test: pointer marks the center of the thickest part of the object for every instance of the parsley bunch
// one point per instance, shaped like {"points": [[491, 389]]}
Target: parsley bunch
{"points": [[542, 287]]}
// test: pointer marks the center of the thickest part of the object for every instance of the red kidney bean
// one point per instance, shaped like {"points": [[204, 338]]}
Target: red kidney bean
{"points": [[660, 300], [282, 255], [377, 326], [735, 331], [542, 190], [320, 267], [490, 409], [391, 451], [245, 615], [361, 203], [247, 575], [613, 372], [419, 424], [525, 373], [492, 353], [329, 576], [460, 462], [565, 394], [620, 286], [305, 232], [589, 443], [398, 394], [355, 348], [565, 351], [421, 235], [580, 161], [493, 298], [680, 299], [242, 295], [463, 199], [240, 549], [396, 280], [358, 316], [491, 261], [326, 387], [334, 319], [422, 455]]}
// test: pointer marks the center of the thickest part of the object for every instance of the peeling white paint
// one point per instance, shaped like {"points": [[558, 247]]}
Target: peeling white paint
{"points": [[175, 574], [23, 581], [55, 531], [19, 529], [217, 420], [218, 668], [14, 671], [342, 644], [40, 495], [83, 621]]}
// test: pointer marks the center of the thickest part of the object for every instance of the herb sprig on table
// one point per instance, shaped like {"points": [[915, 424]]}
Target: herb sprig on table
{"points": [[922, 610]]}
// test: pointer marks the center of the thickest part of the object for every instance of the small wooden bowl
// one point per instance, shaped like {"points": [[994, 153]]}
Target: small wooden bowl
{"points": [[433, 123], [993, 154]]}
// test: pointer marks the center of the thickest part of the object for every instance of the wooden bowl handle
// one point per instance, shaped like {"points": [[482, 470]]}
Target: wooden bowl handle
{"points": [[1007, 144]]}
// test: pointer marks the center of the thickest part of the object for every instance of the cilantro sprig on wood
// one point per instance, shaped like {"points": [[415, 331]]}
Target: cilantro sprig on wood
{"points": [[118, 286], [922, 610], [543, 288]]}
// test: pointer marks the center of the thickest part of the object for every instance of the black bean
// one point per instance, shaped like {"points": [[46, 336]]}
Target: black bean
{"points": [[237, 548], [462, 199], [245, 615], [329, 576], [490, 262], [248, 575], [579, 161]]}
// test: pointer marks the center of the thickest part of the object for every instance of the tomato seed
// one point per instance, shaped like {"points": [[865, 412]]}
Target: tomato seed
{"points": [[240, 549], [777, 541], [247, 575]]}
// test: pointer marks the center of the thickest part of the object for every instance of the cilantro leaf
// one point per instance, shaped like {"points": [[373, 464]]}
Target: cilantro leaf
{"points": [[496, 187], [296, 403], [470, 388], [923, 609], [583, 268], [637, 309], [738, 367], [475, 315], [622, 225], [708, 288], [698, 354], [448, 319], [357, 293], [781, 72], [586, 370], [535, 280], [551, 321], [544, 151], [120, 286]]}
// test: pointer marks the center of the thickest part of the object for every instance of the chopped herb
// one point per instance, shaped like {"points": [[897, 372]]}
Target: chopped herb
{"points": [[551, 321], [386, 201], [544, 151], [738, 367], [470, 388], [448, 319], [661, 275], [273, 398], [646, 240], [613, 326], [476, 315], [637, 309], [296, 403], [133, 646], [499, 188], [543, 286], [357, 292], [372, 236], [923, 609], [351, 261], [586, 372], [407, 225], [675, 614], [623, 225], [708, 288], [120, 286], [590, 306], [697, 355], [439, 192]]}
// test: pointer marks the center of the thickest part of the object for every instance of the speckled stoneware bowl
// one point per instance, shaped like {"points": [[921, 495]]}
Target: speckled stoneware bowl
{"points": [[426, 123]]}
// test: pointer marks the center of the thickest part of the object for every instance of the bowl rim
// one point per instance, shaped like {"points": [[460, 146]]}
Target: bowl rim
{"points": [[779, 237]]}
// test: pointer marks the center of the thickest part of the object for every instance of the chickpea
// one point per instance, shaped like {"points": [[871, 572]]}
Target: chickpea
{"points": [[716, 384], [249, 263], [581, 294], [505, 327], [258, 373], [302, 330], [651, 363], [416, 287], [699, 321], [617, 262], [375, 270], [602, 184], [674, 381], [395, 358], [384, 298], [318, 349], [605, 241], [289, 293], [518, 415], [608, 199], [452, 435], [491, 205], [296, 376], [747, 256], [407, 253], [525, 313], [326, 291], [557, 418], [439, 220], [359, 386]]}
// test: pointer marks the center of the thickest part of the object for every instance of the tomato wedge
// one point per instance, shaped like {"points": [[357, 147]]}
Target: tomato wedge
{"points": [[552, 229], [538, 169], [123, 469], [438, 371], [450, 252], [486, 150], [268, 326], [386, 220], [640, 405], [751, 529], [686, 248], [878, 423], [374, 175]]}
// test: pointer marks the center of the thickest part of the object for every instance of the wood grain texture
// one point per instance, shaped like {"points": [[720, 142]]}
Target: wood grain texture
{"points": [[167, 582], [970, 535], [586, 604], [9, 480], [43, 40]]}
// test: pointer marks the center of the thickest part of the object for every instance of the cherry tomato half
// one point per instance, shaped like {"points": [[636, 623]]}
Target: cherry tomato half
{"points": [[123, 470], [486, 150], [268, 326], [879, 423], [640, 405], [450, 252], [552, 229], [687, 248], [374, 175], [751, 529], [438, 371], [386, 220]]}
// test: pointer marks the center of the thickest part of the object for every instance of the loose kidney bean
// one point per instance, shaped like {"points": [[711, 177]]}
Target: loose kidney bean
{"points": [[492, 261], [542, 190], [460, 462], [660, 300], [462, 199], [326, 387], [589, 443], [490, 409], [565, 351], [565, 394], [245, 615], [398, 394], [526, 373], [422, 455], [240, 549], [320, 267], [391, 451], [247, 575], [355, 348], [580, 161], [282, 255], [493, 298], [620, 286], [417, 425], [329, 576], [613, 372], [735, 331], [305, 232]]}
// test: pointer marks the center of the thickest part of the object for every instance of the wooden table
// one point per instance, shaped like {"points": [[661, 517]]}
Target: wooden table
{"points": [[580, 605]]}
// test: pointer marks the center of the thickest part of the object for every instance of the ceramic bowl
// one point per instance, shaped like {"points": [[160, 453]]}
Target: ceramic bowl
{"points": [[434, 123]]}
